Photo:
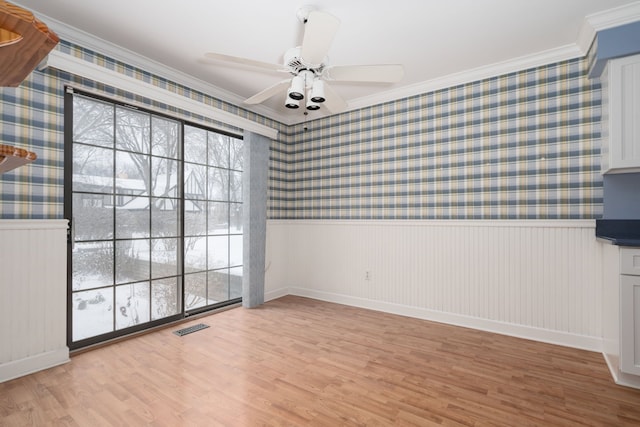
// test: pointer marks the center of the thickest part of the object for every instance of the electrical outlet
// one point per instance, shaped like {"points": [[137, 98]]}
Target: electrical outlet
{"points": [[367, 275]]}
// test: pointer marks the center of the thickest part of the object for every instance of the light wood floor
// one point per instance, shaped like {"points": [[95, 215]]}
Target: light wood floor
{"points": [[300, 362]]}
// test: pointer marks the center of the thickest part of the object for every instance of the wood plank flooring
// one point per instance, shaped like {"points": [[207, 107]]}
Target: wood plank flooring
{"points": [[300, 362]]}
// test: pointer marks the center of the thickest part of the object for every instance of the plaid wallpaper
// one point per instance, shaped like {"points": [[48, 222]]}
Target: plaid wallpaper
{"points": [[519, 146], [32, 117]]}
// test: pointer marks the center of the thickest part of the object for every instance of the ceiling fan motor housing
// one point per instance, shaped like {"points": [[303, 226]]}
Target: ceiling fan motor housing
{"points": [[296, 64]]}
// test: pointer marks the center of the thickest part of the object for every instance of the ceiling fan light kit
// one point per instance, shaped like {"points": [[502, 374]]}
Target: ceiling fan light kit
{"points": [[296, 91], [317, 91], [291, 103], [305, 81], [312, 106], [308, 64]]}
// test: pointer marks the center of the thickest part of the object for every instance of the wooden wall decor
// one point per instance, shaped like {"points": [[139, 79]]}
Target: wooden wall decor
{"points": [[24, 42], [12, 157]]}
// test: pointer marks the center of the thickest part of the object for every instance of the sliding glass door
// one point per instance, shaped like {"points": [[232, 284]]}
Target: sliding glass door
{"points": [[143, 214], [213, 217]]}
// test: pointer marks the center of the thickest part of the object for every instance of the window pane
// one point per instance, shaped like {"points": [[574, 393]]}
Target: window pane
{"points": [[132, 173], [218, 150], [195, 254], [235, 186], [133, 130], [237, 154], [195, 206], [195, 181], [218, 218], [218, 184], [92, 122], [195, 290], [132, 260], [235, 282], [132, 217], [164, 177], [218, 285], [92, 169], [218, 251], [164, 257], [92, 313], [92, 265], [165, 218], [132, 304], [93, 216], [164, 298], [195, 145], [195, 220], [235, 250], [235, 217], [165, 138]]}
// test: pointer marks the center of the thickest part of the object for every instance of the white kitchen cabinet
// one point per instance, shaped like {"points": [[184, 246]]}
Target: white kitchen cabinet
{"points": [[621, 116], [621, 313], [630, 311]]}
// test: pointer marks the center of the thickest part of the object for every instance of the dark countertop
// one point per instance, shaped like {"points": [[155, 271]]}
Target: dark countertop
{"points": [[621, 232]]}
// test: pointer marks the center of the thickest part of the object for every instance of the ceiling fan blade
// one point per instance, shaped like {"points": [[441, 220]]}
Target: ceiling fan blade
{"points": [[268, 92], [333, 102], [389, 73], [319, 31], [245, 61]]}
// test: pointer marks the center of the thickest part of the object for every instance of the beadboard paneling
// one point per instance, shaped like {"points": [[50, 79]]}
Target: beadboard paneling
{"points": [[536, 279], [32, 296]]}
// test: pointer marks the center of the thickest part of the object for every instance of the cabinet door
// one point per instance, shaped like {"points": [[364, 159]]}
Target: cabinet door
{"points": [[624, 110], [630, 261], [630, 324]]}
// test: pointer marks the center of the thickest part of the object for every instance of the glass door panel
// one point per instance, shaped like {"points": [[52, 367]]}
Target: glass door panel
{"points": [[156, 209], [213, 198], [125, 208]]}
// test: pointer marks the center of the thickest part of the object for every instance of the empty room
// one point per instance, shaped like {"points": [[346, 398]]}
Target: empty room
{"points": [[320, 213]]}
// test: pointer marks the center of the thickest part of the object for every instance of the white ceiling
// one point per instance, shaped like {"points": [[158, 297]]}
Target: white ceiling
{"points": [[437, 41]]}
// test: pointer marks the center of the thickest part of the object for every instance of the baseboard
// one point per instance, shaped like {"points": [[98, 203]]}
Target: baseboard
{"points": [[628, 380], [275, 294], [29, 365], [519, 331], [612, 364]]}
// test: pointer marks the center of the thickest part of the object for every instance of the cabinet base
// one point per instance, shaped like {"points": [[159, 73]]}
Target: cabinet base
{"points": [[620, 377]]}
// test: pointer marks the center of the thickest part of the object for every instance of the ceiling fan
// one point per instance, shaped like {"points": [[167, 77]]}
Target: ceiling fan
{"points": [[309, 66]]}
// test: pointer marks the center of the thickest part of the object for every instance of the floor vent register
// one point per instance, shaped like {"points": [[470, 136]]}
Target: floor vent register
{"points": [[190, 329]]}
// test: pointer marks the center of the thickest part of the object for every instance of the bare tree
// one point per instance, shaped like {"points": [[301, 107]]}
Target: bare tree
{"points": [[92, 122]]}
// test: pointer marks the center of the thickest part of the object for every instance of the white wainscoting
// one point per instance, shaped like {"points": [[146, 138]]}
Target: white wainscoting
{"points": [[537, 279], [32, 296]]}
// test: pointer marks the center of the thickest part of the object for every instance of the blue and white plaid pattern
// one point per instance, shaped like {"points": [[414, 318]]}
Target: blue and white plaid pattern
{"points": [[32, 117], [520, 146], [525, 145]]}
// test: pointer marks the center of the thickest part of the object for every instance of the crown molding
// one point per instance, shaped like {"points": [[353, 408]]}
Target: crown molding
{"points": [[607, 19], [89, 41], [614, 17], [591, 25], [517, 64], [586, 35], [546, 57]]}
